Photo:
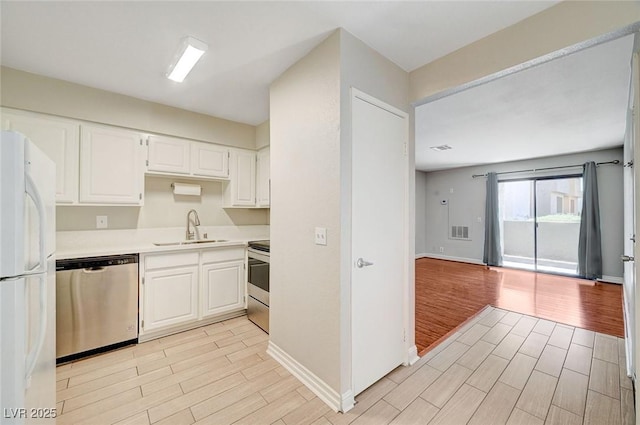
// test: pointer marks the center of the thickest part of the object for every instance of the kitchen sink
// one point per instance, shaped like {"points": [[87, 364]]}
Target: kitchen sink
{"points": [[189, 242]]}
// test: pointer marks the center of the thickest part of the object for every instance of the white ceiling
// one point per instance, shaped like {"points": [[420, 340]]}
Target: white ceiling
{"points": [[126, 47], [573, 104]]}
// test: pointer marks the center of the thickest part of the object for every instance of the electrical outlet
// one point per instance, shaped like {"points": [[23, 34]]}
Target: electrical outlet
{"points": [[321, 236], [101, 222], [441, 249]]}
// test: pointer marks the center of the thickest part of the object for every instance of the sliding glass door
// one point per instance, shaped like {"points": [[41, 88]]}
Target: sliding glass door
{"points": [[540, 223]]}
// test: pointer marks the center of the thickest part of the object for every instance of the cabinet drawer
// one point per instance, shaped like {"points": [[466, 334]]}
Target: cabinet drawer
{"points": [[171, 260], [223, 254]]}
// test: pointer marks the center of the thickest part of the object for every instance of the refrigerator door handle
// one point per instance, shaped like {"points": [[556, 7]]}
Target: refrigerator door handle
{"points": [[33, 355], [33, 193]]}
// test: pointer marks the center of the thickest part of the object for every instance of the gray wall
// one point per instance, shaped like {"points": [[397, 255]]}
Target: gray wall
{"points": [[421, 208], [466, 202]]}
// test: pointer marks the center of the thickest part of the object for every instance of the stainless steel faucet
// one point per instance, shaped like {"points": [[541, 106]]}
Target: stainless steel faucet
{"points": [[196, 222]]}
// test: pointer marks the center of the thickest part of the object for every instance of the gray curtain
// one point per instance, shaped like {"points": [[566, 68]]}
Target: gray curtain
{"points": [[492, 249], [589, 245]]}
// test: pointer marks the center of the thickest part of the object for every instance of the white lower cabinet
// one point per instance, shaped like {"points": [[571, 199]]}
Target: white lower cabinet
{"points": [[222, 288], [185, 289], [169, 290], [171, 297]]}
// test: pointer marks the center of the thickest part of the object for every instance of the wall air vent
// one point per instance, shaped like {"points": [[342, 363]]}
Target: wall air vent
{"points": [[460, 232], [440, 148]]}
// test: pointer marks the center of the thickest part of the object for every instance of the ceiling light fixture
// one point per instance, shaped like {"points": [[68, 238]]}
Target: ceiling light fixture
{"points": [[191, 50]]}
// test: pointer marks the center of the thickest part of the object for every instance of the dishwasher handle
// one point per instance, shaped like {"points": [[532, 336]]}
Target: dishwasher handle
{"points": [[90, 270], [95, 263]]}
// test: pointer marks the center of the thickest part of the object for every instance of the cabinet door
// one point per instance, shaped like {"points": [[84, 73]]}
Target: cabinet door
{"points": [[58, 139], [209, 160], [223, 288], [263, 183], [111, 170], [241, 190], [168, 155], [170, 297]]}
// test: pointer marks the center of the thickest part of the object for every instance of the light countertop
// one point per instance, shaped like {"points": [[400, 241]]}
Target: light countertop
{"points": [[92, 243]]}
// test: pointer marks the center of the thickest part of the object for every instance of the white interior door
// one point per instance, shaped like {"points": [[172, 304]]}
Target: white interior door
{"points": [[631, 211], [379, 203]]}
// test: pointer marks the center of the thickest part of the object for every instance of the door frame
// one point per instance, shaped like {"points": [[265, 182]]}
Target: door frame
{"points": [[535, 215], [408, 280]]}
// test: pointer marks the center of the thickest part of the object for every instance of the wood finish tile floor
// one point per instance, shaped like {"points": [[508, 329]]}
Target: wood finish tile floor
{"points": [[499, 368], [441, 284]]}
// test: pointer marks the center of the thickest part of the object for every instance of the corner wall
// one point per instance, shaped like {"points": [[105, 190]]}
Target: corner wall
{"points": [[305, 193], [311, 140], [466, 201], [563, 25], [363, 68]]}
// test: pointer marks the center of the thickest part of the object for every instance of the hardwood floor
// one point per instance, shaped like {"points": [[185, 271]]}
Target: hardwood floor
{"points": [[448, 293]]}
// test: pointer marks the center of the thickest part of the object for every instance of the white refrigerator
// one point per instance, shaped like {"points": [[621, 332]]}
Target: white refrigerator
{"points": [[27, 283]]}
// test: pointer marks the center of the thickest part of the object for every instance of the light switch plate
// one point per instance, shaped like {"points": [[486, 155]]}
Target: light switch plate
{"points": [[101, 222], [321, 236]]}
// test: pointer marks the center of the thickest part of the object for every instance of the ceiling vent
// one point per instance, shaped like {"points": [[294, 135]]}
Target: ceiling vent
{"points": [[440, 148]]}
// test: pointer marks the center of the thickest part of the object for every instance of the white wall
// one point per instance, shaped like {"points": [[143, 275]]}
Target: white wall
{"points": [[366, 70], [560, 26], [262, 135], [22, 90], [311, 165], [466, 197], [31, 92], [163, 209], [305, 193]]}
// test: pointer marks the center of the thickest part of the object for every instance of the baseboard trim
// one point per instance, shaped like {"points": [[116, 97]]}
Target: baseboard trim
{"points": [[320, 388], [612, 279], [412, 356], [606, 279], [159, 333], [448, 258], [348, 401]]}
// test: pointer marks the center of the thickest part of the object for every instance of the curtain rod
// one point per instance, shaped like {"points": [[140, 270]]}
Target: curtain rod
{"points": [[615, 162]]}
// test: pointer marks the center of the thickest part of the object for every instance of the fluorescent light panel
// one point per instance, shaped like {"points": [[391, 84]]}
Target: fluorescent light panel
{"points": [[191, 50]]}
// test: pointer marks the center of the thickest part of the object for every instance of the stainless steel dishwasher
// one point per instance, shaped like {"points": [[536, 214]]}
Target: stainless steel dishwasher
{"points": [[96, 303]]}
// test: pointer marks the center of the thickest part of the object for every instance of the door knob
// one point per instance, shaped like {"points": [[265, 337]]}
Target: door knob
{"points": [[626, 258], [363, 263]]}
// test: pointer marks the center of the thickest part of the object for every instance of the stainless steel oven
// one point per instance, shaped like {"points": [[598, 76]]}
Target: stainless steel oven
{"points": [[258, 288]]}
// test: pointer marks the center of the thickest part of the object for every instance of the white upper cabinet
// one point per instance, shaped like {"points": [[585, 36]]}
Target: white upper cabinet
{"points": [[57, 138], [263, 182], [168, 155], [179, 157], [241, 189], [209, 160], [111, 170]]}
